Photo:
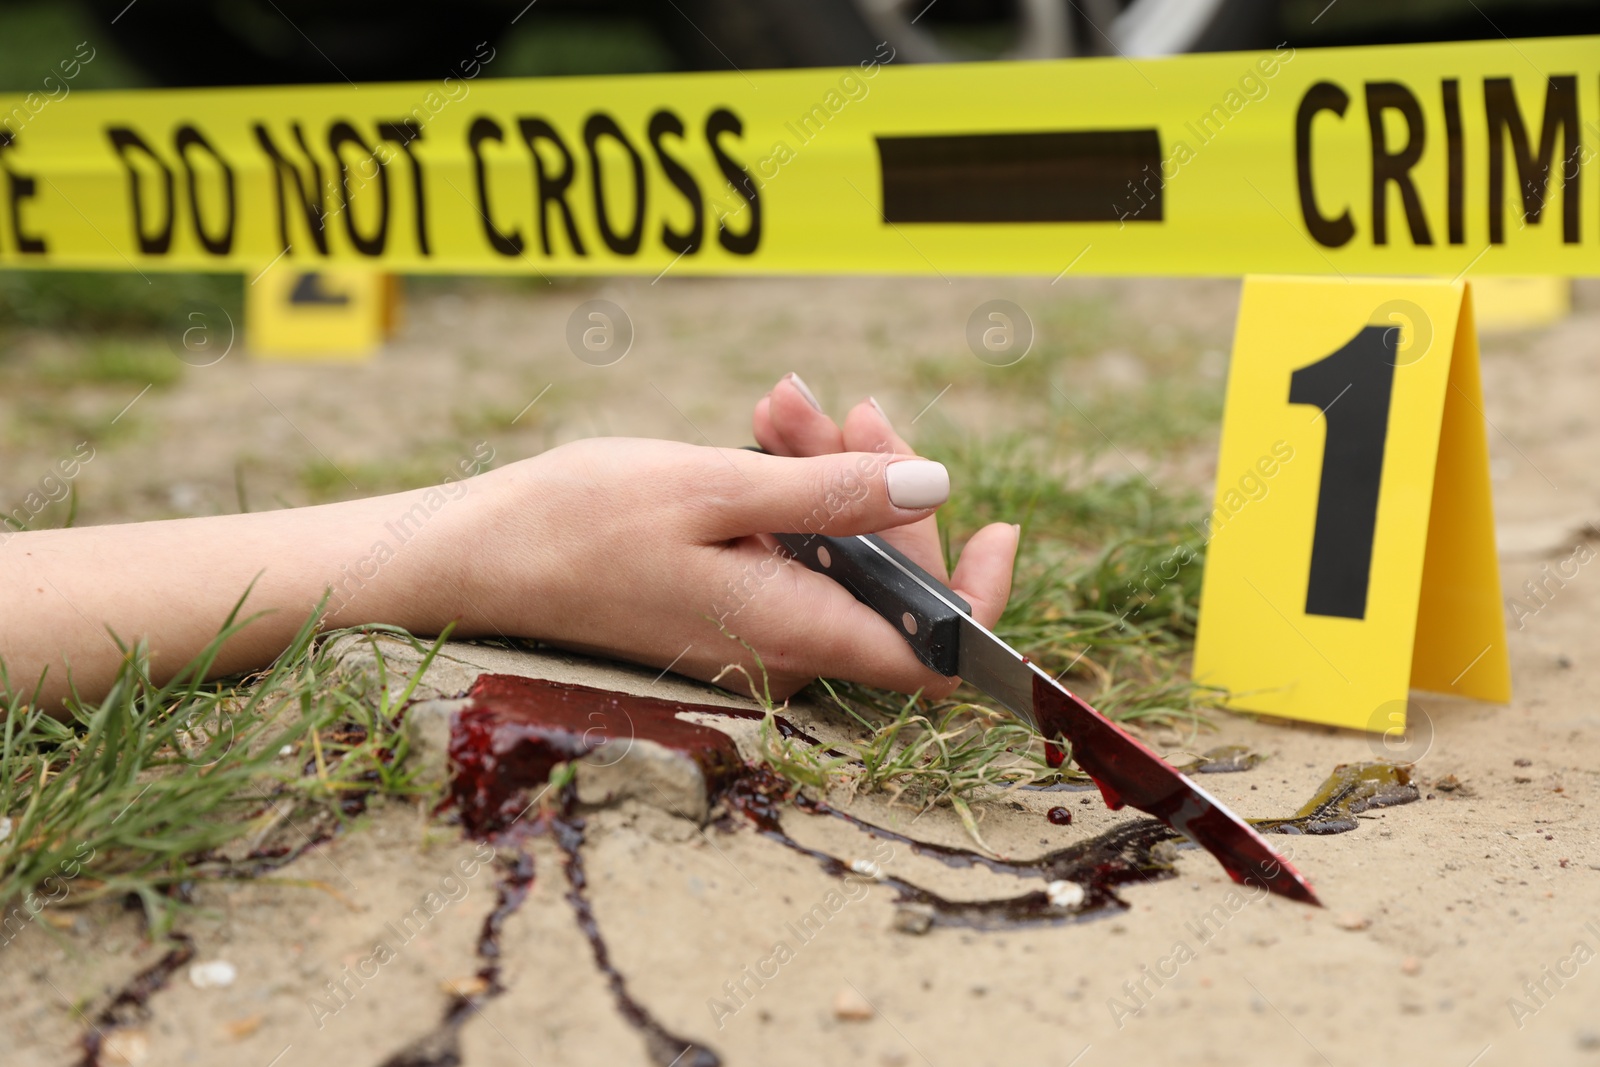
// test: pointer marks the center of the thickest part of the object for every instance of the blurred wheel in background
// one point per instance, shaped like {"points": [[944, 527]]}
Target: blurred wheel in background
{"points": [[944, 30]]}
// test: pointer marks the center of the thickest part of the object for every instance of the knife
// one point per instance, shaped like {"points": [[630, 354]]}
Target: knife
{"points": [[939, 627]]}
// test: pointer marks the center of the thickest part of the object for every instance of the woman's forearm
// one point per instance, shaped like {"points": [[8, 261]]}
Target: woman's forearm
{"points": [[173, 583]]}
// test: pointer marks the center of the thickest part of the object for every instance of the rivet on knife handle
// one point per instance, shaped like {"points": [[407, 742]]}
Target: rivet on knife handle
{"points": [[863, 566]]}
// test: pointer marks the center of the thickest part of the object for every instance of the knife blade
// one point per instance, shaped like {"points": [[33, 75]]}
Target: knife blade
{"points": [[938, 625]]}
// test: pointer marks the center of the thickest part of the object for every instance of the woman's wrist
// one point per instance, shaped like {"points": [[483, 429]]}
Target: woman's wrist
{"points": [[477, 559], [400, 559]]}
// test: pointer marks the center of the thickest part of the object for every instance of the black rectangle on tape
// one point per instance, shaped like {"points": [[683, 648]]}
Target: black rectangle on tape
{"points": [[1066, 176]]}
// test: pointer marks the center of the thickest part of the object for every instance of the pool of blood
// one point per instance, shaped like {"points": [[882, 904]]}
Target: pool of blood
{"points": [[515, 730], [1139, 851]]}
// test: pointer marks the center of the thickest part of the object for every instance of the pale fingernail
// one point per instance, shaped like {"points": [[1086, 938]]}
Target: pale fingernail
{"points": [[805, 390], [879, 409], [915, 484]]}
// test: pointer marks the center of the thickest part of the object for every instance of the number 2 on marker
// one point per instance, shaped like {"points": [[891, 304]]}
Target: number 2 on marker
{"points": [[1351, 388]]}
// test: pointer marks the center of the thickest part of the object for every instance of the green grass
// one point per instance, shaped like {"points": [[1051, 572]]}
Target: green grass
{"points": [[112, 361], [1091, 378], [1022, 477], [79, 301], [426, 464], [957, 756], [1108, 575], [145, 789], [63, 419], [480, 421], [36, 35]]}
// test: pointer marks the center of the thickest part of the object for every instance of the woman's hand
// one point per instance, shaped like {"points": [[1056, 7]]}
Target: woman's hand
{"points": [[790, 422], [655, 552]]}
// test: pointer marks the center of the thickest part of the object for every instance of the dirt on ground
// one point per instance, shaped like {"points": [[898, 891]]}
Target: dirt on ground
{"points": [[1459, 929]]}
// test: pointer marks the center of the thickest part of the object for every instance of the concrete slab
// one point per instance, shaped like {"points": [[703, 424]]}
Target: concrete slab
{"points": [[630, 768]]}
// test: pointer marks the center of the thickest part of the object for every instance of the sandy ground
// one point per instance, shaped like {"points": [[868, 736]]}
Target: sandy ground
{"points": [[1440, 913]]}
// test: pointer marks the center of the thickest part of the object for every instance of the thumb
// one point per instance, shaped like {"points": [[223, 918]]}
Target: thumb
{"points": [[840, 494]]}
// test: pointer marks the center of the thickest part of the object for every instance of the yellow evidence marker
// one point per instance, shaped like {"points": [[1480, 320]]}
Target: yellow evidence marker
{"points": [[336, 314], [1351, 552], [1513, 303]]}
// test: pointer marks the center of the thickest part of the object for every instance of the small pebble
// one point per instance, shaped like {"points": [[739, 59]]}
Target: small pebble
{"points": [[1411, 965], [1064, 894], [1059, 816], [213, 974], [1352, 921], [868, 868], [1522, 762], [912, 919], [851, 1006], [125, 1047], [286, 750]]}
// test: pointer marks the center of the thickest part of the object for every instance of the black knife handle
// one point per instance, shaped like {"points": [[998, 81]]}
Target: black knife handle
{"points": [[930, 626]]}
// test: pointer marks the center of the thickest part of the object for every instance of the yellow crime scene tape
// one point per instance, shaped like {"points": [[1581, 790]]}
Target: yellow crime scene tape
{"points": [[1425, 159]]}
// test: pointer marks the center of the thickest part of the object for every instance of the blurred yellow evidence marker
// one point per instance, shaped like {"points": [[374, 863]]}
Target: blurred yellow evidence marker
{"points": [[1513, 303], [1351, 553], [338, 314]]}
